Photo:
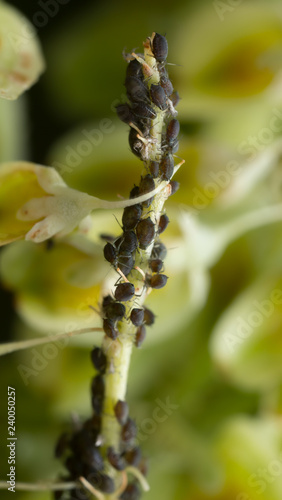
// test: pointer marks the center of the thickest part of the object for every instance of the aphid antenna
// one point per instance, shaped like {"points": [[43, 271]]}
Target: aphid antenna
{"points": [[95, 310]]}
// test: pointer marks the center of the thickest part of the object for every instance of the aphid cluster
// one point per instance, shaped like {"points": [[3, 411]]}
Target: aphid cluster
{"points": [[82, 448], [148, 103]]}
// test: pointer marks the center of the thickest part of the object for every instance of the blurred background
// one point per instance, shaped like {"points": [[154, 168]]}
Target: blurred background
{"points": [[215, 349]]}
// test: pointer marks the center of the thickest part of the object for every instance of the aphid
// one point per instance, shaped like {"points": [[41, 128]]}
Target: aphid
{"points": [[129, 242], [149, 317], [175, 98], [103, 482], [84, 448], [156, 265], [62, 445], [134, 192], [154, 168], [172, 131], [109, 329], [131, 492], [125, 113], [167, 167], [140, 335], [145, 231], [159, 250], [110, 253], [115, 459], [143, 467], [98, 392], [121, 411], [134, 68], [99, 359], [142, 110], [74, 466], [174, 187], [156, 281], [133, 456], [126, 262], [93, 425], [115, 311], [124, 292], [136, 145], [135, 89], [131, 216], [128, 430], [166, 85], [137, 316], [106, 301], [147, 184], [163, 223], [158, 96], [160, 47]]}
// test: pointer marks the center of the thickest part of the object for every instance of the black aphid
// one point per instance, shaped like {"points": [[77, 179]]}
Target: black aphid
{"points": [[145, 231], [126, 262], [135, 89], [124, 292], [159, 250], [154, 168], [125, 113], [131, 216], [134, 192], [136, 145], [156, 281], [134, 68], [98, 393], [131, 492], [174, 187], [110, 253], [133, 456], [163, 223], [147, 184], [149, 317], [128, 430], [106, 301], [115, 459], [142, 110], [109, 328], [115, 311], [172, 131], [140, 335], [160, 47], [129, 242], [158, 96], [121, 411], [167, 167], [175, 98], [156, 265], [137, 316], [99, 359]]}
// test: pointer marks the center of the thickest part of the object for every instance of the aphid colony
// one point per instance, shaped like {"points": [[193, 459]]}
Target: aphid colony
{"points": [[81, 449]]}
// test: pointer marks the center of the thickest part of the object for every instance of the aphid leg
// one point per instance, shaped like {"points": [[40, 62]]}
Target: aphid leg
{"points": [[122, 275], [140, 271], [91, 488]]}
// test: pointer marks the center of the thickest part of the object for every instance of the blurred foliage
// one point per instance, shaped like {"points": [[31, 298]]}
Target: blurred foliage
{"points": [[224, 241]]}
